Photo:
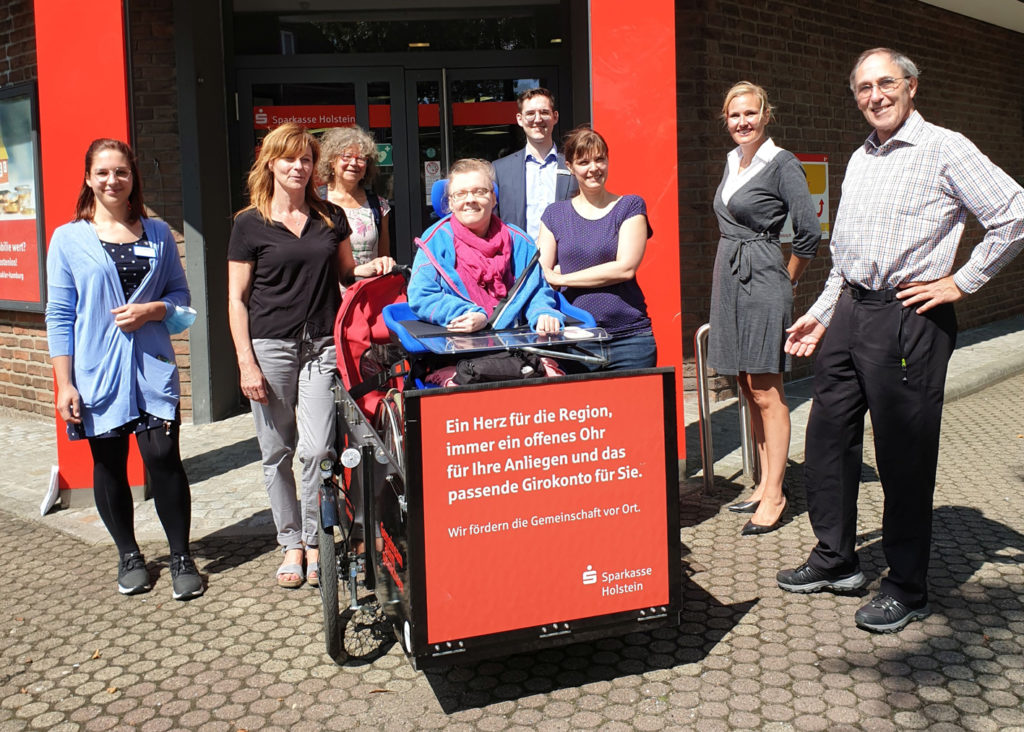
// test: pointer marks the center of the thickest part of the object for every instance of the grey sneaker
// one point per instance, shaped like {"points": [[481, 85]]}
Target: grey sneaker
{"points": [[886, 614], [185, 580], [806, 578], [132, 576]]}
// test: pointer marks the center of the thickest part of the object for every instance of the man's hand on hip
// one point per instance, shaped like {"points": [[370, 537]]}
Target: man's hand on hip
{"points": [[929, 294]]}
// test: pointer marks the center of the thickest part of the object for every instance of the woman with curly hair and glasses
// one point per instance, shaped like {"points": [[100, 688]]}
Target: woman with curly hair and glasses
{"points": [[348, 166]]}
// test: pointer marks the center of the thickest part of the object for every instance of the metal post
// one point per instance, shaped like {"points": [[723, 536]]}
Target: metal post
{"points": [[751, 462], [751, 466], [707, 452]]}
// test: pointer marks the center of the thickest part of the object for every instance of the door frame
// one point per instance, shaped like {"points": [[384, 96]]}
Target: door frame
{"points": [[360, 77], [445, 76], [404, 121]]}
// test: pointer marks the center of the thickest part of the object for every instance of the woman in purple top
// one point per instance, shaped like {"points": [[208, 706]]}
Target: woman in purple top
{"points": [[591, 246]]}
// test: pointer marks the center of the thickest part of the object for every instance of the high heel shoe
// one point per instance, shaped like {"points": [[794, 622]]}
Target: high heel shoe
{"points": [[745, 507], [752, 529]]}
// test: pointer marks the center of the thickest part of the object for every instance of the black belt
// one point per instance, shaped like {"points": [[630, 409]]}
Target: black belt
{"points": [[861, 295]]}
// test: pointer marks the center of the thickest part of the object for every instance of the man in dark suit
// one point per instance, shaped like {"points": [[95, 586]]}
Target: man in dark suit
{"points": [[532, 178]]}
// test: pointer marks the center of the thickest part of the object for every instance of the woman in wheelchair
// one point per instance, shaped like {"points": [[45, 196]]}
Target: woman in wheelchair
{"points": [[468, 262]]}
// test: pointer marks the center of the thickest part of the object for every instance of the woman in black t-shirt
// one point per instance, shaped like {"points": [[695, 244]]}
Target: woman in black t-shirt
{"points": [[288, 252]]}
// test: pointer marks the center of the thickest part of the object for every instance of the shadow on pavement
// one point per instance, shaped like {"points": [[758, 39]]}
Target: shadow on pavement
{"points": [[703, 623], [969, 637], [725, 438], [226, 549], [963, 541], [224, 459]]}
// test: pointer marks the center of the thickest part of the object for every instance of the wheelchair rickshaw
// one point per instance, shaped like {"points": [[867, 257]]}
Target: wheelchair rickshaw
{"points": [[493, 518]]}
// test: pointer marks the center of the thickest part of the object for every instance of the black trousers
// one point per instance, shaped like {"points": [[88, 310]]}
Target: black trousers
{"points": [[880, 357], [167, 478]]}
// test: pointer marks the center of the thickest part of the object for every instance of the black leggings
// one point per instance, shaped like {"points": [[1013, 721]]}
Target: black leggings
{"points": [[167, 480]]}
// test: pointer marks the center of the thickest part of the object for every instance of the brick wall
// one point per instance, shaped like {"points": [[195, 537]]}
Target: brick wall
{"points": [[17, 42], [802, 52], [26, 379]]}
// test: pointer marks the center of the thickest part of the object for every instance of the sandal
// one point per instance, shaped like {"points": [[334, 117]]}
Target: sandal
{"points": [[292, 568], [313, 568]]}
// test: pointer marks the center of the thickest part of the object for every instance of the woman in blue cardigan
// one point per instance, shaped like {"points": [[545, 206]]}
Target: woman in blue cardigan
{"points": [[114, 277]]}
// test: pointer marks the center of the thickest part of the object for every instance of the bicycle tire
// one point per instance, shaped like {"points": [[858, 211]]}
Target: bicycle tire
{"points": [[329, 590]]}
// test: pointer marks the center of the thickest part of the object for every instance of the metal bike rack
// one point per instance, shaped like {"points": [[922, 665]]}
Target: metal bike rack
{"points": [[707, 452], [751, 464]]}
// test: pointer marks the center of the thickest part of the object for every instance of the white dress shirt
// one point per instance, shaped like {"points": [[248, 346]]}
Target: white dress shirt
{"points": [[541, 177]]}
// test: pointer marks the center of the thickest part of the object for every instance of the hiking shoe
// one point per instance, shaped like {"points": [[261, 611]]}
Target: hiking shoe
{"points": [[185, 579], [886, 614], [132, 576], [806, 578]]}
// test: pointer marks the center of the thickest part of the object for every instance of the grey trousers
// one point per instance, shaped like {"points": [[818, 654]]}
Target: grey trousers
{"points": [[299, 417]]}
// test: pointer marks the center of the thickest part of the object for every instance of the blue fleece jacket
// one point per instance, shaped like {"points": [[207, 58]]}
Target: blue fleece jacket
{"points": [[434, 300], [117, 374]]}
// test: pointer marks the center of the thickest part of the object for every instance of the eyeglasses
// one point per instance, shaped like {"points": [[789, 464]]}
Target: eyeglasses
{"points": [[119, 173], [359, 160], [538, 113], [886, 85], [457, 196]]}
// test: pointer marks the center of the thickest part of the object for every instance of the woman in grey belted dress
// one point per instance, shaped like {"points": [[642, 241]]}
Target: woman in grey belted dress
{"points": [[752, 292]]}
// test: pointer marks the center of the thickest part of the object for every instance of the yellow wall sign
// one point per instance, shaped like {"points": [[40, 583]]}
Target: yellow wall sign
{"points": [[816, 168]]}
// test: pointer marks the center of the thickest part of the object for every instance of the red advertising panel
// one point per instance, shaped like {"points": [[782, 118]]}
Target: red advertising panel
{"points": [[565, 481], [636, 71], [66, 86], [21, 234], [19, 259], [483, 113], [310, 116]]}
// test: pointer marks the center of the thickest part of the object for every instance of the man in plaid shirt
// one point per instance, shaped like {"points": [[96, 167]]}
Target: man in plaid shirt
{"points": [[891, 328]]}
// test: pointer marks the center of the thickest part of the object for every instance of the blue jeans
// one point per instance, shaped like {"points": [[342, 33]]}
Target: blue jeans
{"points": [[630, 352]]}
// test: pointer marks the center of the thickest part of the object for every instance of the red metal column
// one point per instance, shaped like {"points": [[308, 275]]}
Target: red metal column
{"points": [[83, 94], [633, 87]]}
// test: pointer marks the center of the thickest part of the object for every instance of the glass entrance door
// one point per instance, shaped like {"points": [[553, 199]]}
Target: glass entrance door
{"points": [[324, 98], [422, 121], [464, 114]]}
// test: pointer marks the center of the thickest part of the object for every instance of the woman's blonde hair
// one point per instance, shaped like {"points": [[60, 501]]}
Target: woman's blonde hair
{"points": [[747, 87], [339, 139], [469, 165], [287, 141]]}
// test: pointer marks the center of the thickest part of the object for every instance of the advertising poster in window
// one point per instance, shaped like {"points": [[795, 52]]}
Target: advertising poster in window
{"points": [[566, 481], [21, 231]]}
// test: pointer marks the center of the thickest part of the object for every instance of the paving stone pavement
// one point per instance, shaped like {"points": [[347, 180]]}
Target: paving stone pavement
{"points": [[248, 656]]}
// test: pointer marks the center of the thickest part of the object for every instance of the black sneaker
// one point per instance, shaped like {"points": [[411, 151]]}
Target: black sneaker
{"points": [[185, 579], [132, 576], [886, 614], [806, 578]]}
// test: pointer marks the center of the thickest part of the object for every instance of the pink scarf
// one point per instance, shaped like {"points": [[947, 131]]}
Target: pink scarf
{"points": [[484, 263]]}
